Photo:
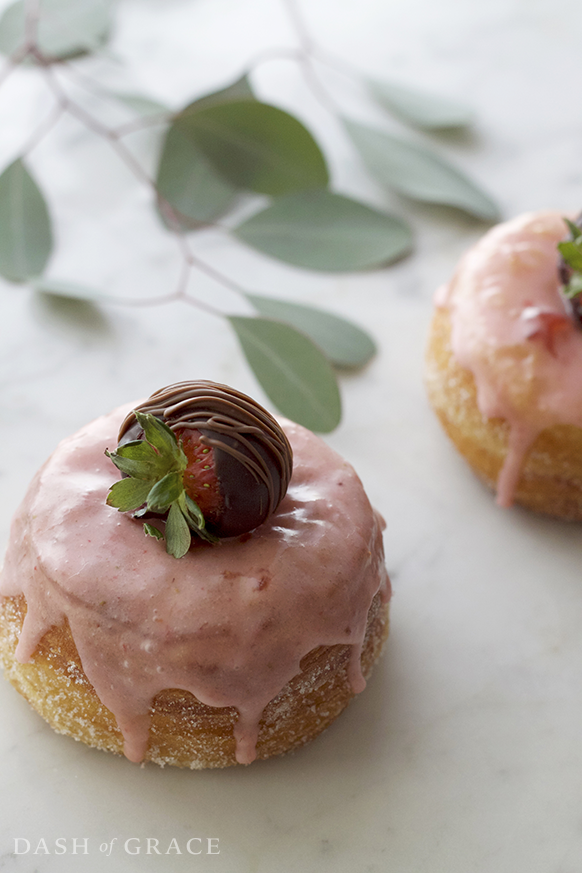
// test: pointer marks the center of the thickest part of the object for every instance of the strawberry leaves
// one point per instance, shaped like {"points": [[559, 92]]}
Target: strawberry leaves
{"points": [[155, 468], [571, 251]]}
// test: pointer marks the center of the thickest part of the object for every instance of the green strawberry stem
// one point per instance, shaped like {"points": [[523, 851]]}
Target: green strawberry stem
{"points": [[155, 468], [571, 251]]}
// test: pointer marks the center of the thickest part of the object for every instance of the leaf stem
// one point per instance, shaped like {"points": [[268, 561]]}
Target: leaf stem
{"points": [[137, 124], [44, 128], [14, 61], [172, 216], [299, 26], [92, 87], [306, 57], [31, 20]]}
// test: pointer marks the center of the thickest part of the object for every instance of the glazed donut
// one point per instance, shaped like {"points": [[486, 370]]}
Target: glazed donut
{"points": [[503, 367], [244, 647]]}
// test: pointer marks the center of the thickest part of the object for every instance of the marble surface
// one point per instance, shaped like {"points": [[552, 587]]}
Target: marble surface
{"points": [[464, 752]]}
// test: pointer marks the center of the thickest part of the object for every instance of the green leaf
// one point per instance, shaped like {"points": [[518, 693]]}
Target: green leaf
{"points": [[140, 460], [192, 512], [571, 253], [256, 146], [239, 90], [575, 231], [178, 537], [574, 286], [420, 108], [292, 370], [166, 491], [140, 104], [70, 290], [65, 29], [187, 180], [12, 28], [324, 231], [25, 227], [344, 343], [194, 518], [152, 531], [161, 437], [418, 173], [128, 494]]}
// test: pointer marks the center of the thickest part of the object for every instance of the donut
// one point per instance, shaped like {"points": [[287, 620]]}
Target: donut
{"points": [[504, 365], [242, 643]]}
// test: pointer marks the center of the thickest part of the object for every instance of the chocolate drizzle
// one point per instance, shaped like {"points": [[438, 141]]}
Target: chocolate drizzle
{"points": [[252, 455]]}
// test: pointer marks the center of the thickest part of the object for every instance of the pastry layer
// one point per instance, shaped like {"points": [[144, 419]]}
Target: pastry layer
{"points": [[183, 732], [550, 475]]}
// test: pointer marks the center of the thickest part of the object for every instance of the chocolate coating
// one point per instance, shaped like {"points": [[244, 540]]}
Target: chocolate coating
{"points": [[252, 456]]}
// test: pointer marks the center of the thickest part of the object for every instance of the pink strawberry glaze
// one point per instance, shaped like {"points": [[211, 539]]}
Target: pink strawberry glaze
{"points": [[511, 329], [229, 623]]}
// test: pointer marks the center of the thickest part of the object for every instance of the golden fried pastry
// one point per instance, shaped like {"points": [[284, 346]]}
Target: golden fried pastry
{"points": [[504, 363], [240, 630]]}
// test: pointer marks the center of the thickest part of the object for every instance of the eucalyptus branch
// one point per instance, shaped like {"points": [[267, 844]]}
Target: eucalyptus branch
{"points": [[65, 103], [43, 129], [299, 25], [217, 146], [138, 124], [31, 22]]}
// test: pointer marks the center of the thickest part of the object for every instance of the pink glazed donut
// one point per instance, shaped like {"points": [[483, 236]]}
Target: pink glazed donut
{"points": [[504, 367], [243, 648]]}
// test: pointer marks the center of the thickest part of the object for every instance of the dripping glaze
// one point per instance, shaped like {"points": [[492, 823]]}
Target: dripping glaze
{"points": [[229, 623]]}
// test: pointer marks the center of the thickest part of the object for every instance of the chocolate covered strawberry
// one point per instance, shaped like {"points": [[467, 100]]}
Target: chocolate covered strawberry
{"points": [[206, 458]]}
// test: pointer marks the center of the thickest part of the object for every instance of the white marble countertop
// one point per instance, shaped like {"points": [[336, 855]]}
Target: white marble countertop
{"points": [[464, 752]]}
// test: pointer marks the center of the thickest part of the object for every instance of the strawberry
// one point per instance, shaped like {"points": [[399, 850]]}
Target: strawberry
{"points": [[200, 479], [208, 461]]}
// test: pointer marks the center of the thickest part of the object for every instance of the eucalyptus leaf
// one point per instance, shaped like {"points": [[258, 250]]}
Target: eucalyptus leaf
{"points": [[256, 146], [324, 231], [188, 182], [241, 89], [140, 104], [70, 290], [128, 494], [418, 173], [25, 227], [65, 29], [343, 342], [293, 371], [178, 537], [185, 178], [420, 108]]}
